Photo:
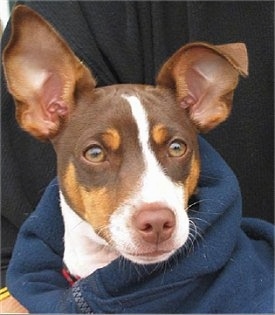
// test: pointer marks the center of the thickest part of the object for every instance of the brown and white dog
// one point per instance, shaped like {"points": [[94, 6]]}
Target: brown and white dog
{"points": [[127, 154]]}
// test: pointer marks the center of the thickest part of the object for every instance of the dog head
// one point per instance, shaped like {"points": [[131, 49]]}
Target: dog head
{"points": [[127, 155]]}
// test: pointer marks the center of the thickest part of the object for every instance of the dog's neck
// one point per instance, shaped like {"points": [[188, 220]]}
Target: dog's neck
{"points": [[84, 250]]}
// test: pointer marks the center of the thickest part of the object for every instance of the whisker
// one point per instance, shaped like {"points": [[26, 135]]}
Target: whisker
{"points": [[77, 224], [193, 239], [201, 220], [201, 201]]}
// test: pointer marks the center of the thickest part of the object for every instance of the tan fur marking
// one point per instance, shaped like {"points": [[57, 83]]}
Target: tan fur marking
{"points": [[97, 204], [159, 133], [192, 179], [93, 205], [112, 138], [73, 190]]}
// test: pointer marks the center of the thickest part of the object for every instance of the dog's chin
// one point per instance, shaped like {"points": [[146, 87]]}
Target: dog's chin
{"points": [[148, 258]]}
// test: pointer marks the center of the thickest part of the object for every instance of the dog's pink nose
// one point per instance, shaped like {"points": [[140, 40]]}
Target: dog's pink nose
{"points": [[155, 224]]}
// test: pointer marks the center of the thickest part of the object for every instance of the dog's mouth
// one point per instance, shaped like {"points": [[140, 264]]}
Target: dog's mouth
{"points": [[152, 257]]}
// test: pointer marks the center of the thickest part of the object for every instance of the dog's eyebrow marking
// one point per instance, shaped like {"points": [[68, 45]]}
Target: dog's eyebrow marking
{"points": [[159, 133], [112, 138]]}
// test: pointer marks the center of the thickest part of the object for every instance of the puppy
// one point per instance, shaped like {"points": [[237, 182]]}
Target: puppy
{"points": [[127, 154]]}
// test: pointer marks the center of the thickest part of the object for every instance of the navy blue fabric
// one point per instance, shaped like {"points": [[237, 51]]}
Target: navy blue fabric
{"points": [[225, 267]]}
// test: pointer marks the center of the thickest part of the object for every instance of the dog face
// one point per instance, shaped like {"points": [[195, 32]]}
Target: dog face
{"points": [[127, 155], [130, 172]]}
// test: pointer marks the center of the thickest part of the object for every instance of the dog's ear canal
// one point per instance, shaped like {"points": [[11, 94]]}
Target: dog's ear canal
{"points": [[204, 78], [43, 74]]}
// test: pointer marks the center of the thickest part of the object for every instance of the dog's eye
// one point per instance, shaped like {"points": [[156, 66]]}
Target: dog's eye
{"points": [[95, 154], [177, 148]]}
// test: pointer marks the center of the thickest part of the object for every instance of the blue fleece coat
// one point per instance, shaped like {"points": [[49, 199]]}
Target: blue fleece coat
{"points": [[226, 268]]}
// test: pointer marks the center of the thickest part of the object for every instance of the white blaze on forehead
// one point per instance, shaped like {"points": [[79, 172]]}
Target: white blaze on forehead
{"points": [[156, 186]]}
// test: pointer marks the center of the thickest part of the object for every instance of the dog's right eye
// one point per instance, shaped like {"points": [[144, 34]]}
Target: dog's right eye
{"points": [[177, 148], [95, 154]]}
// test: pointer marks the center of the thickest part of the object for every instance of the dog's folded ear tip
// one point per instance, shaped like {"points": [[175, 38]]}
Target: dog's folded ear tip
{"points": [[237, 55]]}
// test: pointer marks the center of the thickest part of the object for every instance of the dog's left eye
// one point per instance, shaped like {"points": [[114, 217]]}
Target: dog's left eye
{"points": [[95, 154], [177, 148]]}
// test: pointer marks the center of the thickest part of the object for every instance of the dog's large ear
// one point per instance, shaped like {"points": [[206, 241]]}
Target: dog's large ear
{"points": [[43, 74], [204, 77]]}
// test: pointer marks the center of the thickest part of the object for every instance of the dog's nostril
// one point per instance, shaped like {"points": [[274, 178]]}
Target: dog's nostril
{"points": [[147, 227], [154, 224], [168, 225]]}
